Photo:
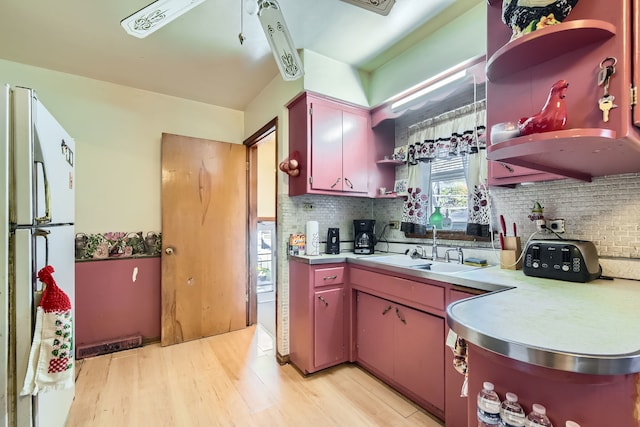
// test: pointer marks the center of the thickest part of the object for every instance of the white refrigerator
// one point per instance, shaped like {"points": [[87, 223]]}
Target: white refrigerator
{"points": [[37, 229]]}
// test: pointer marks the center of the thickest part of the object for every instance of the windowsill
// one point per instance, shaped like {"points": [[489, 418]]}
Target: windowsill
{"points": [[450, 235]]}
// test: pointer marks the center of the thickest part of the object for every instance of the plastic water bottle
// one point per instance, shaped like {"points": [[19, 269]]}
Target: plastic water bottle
{"points": [[488, 406], [538, 417], [511, 413]]}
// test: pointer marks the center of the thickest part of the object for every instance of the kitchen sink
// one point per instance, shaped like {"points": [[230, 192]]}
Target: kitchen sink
{"points": [[444, 267], [422, 264]]}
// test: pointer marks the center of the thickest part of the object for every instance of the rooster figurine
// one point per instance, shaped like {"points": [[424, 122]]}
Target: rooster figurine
{"points": [[553, 115], [525, 16]]}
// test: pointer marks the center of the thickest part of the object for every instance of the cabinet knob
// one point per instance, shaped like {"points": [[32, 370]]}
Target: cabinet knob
{"points": [[169, 251]]}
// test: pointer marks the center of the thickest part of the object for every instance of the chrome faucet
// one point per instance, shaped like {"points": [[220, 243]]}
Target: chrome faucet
{"points": [[418, 252], [459, 253], [434, 246]]}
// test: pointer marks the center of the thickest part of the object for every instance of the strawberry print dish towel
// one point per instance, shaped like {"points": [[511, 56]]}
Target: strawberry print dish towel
{"points": [[51, 357]]}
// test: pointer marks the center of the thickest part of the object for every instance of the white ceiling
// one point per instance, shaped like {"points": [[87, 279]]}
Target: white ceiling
{"points": [[198, 56]]}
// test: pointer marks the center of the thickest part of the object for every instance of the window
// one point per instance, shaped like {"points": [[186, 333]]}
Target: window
{"points": [[449, 190]]}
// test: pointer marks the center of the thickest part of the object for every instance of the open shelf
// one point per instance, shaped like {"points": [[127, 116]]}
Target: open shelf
{"points": [[546, 44], [574, 153], [390, 162]]}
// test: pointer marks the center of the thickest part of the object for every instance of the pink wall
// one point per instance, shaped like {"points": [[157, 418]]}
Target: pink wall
{"points": [[114, 300]]}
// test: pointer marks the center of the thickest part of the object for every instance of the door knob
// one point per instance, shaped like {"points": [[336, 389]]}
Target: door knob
{"points": [[168, 251]]}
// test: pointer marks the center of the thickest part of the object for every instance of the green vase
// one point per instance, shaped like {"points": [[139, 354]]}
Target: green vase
{"points": [[436, 218]]}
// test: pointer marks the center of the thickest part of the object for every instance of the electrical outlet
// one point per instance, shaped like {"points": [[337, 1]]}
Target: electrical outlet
{"points": [[394, 225], [556, 225], [307, 207]]}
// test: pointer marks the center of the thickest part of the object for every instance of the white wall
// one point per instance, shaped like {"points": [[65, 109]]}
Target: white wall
{"points": [[267, 166], [118, 131], [463, 38]]}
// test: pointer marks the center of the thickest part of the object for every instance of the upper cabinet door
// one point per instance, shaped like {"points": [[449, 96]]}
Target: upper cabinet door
{"points": [[355, 158], [326, 147]]}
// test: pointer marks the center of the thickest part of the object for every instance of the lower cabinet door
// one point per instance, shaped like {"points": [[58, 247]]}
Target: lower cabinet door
{"points": [[329, 327], [374, 340], [419, 345]]}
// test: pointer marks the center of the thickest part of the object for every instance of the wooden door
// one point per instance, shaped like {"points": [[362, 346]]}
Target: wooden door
{"points": [[204, 238]]}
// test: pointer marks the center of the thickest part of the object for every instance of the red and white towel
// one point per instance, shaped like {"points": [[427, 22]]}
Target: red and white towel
{"points": [[51, 357]]}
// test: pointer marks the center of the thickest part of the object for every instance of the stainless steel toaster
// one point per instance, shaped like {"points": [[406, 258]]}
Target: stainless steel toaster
{"points": [[570, 260]]}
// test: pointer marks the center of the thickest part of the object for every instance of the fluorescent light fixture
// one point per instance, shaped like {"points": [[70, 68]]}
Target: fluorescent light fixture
{"points": [[279, 39], [156, 15], [383, 7], [438, 83]]}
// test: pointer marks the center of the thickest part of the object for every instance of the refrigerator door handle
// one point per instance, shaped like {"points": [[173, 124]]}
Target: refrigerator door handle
{"points": [[39, 232], [38, 157]]}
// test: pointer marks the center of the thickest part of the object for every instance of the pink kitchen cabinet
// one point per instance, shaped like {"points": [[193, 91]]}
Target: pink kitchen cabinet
{"points": [[521, 72], [375, 333], [404, 347], [332, 142], [318, 327]]}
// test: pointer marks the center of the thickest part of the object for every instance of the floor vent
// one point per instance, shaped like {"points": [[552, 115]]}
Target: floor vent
{"points": [[106, 347]]}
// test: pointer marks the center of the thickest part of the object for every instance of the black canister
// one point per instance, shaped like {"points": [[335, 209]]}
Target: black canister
{"points": [[333, 241]]}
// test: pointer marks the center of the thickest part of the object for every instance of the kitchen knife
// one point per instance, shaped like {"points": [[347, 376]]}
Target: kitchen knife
{"points": [[515, 229], [501, 241], [503, 225]]}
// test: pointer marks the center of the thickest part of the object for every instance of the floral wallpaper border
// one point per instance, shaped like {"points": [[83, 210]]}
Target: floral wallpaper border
{"points": [[117, 244]]}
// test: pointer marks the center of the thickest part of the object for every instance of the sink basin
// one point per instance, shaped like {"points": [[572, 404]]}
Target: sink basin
{"points": [[444, 267], [422, 264]]}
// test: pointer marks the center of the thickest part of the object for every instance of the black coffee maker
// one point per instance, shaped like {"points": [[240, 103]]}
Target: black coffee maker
{"points": [[333, 241], [364, 236]]}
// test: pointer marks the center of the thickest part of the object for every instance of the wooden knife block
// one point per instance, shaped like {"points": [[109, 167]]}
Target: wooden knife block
{"points": [[510, 255]]}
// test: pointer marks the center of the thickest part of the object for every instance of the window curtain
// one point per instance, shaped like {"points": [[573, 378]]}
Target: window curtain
{"points": [[461, 132]]}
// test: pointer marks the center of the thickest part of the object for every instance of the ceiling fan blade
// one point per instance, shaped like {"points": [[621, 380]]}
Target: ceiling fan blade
{"points": [[284, 51], [382, 7], [156, 15]]}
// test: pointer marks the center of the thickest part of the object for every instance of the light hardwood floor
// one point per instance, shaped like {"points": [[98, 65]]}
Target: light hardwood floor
{"points": [[230, 380]]}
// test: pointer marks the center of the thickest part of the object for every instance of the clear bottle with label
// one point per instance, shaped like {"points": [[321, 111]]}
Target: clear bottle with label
{"points": [[446, 221], [511, 413], [488, 406], [538, 417]]}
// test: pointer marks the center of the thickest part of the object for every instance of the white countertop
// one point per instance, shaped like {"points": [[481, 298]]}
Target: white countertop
{"points": [[589, 327]]}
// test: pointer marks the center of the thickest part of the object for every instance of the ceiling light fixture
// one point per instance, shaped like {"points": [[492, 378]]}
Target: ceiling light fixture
{"points": [[156, 15], [437, 82], [383, 7], [284, 51]]}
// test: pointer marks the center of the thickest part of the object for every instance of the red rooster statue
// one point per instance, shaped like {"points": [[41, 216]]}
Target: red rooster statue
{"points": [[553, 115]]}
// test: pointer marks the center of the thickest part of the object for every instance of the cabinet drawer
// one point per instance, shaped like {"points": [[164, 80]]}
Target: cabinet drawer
{"points": [[392, 287], [328, 276]]}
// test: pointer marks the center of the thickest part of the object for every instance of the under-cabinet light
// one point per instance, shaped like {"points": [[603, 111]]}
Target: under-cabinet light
{"points": [[428, 89], [156, 15]]}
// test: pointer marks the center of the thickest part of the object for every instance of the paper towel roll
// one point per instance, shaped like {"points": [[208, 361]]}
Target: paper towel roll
{"points": [[313, 238]]}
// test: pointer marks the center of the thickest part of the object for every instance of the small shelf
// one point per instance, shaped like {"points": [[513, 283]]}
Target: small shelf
{"points": [[390, 196], [574, 153], [390, 162], [546, 44]]}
